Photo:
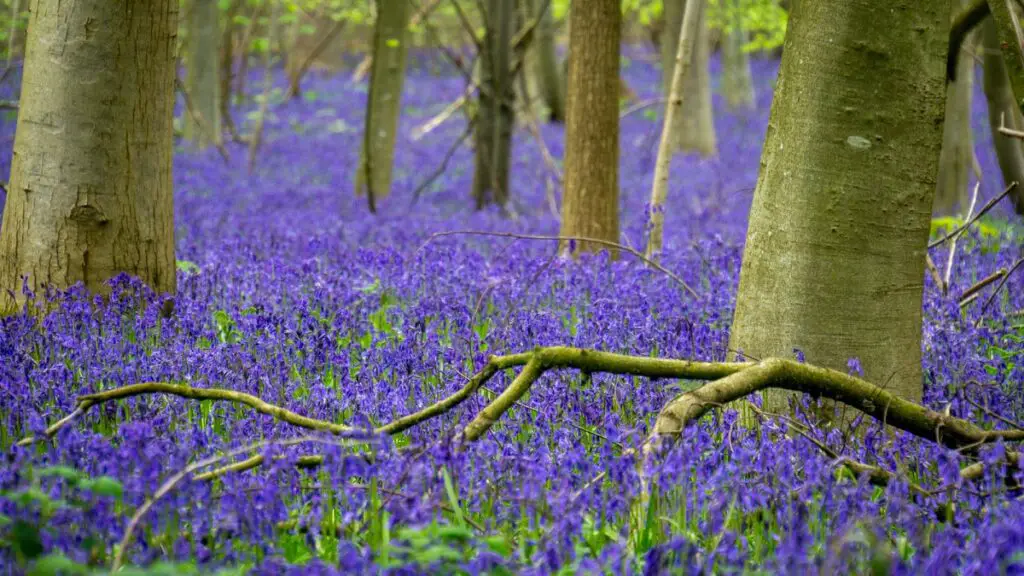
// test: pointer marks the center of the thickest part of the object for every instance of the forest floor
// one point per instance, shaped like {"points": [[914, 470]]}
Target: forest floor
{"points": [[290, 291]]}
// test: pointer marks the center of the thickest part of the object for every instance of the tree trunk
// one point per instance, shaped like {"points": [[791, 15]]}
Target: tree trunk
{"points": [[91, 193], [547, 76], [835, 249], [495, 114], [957, 156], [203, 124], [590, 204], [384, 101], [737, 85], [1002, 108], [683, 63], [695, 127]]}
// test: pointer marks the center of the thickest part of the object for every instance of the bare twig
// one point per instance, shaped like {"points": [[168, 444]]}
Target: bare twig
{"points": [[294, 84], [642, 105], [952, 246], [178, 477], [444, 163], [430, 125], [992, 296], [971, 293], [200, 121], [984, 209], [607, 243]]}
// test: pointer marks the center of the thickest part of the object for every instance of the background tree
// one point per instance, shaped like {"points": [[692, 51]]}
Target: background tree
{"points": [[495, 114], [737, 85], [384, 100], [590, 204], [957, 156], [1002, 110], [835, 249], [544, 60], [695, 127], [90, 192], [203, 121]]}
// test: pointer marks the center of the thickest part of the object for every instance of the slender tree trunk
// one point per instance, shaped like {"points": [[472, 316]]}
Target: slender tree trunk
{"points": [[384, 101], [495, 114], [957, 156], [1002, 108], [202, 72], [90, 193], [527, 82], [695, 127], [737, 85], [683, 62], [548, 77], [227, 69], [590, 204], [835, 250]]}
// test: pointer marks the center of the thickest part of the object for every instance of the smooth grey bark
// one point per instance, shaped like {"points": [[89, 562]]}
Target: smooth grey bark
{"points": [[90, 191], [495, 114], [590, 203], [384, 101], [836, 244], [737, 84], [1002, 108], [695, 127], [202, 79]]}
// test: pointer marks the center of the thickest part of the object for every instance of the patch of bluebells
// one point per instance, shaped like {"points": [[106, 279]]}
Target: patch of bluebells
{"points": [[297, 296]]}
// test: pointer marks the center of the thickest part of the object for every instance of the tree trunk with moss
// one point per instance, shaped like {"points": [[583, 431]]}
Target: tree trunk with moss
{"points": [[203, 122], [737, 85], [695, 127], [1001, 108], [957, 158], [384, 100], [550, 85], [835, 249], [90, 193], [590, 204], [495, 114]]}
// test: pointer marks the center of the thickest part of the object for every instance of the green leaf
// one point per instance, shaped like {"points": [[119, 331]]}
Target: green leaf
{"points": [[104, 486], [25, 538], [66, 472], [57, 564], [453, 498], [187, 267]]}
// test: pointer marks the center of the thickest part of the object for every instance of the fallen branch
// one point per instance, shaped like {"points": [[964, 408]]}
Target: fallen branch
{"points": [[784, 374], [642, 105], [607, 243]]}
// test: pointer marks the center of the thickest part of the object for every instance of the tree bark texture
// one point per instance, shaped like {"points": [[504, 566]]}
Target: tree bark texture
{"points": [[495, 114], [695, 127], [202, 73], [737, 84], [590, 204], [90, 190], [1003, 109], [835, 249], [384, 101]]}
